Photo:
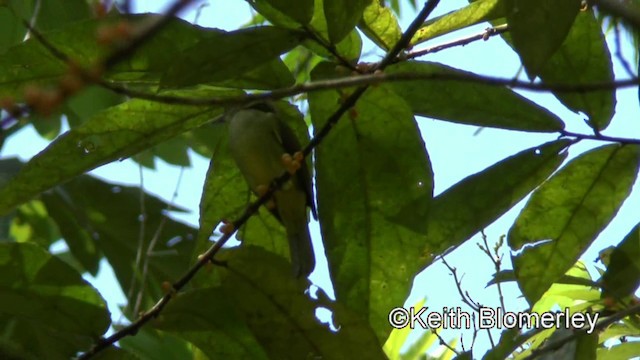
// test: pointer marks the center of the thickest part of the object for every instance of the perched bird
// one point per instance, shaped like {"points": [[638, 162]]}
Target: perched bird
{"points": [[262, 145]]}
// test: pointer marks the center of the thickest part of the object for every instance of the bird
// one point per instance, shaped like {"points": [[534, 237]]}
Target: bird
{"points": [[262, 145]]}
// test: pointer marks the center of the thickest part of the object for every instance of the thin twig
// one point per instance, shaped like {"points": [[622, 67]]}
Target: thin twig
{"points": [[142, 219], [599, 137], [619, 55], [154, 240], [496, 258], [444, 343], [329, 47], [622, 9], [372, 79], [485, 35]]}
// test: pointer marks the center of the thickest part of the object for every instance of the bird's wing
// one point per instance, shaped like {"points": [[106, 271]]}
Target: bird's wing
{"points": [[291, 145]]}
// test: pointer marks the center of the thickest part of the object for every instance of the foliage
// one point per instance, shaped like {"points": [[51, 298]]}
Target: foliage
{"points": [[152, 86]]}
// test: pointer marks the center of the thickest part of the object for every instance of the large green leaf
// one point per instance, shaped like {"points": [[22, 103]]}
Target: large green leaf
{"points": [[111, 217], [301, 11], [474, 13], [380, 25], [227, 55], [538, 28], [208, 319], [478, 200], [584, 58], [375, 159], [622, 277], [116, 133], [567, 212], [55, 14], [282, 317], [470, 103], [342, 17], [48, 310]]}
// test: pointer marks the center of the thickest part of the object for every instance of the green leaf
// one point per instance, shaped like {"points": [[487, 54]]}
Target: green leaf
{"points": [[55, 14], [226, 55], [271, 75], [538, 28], [152, 344], [48, 310], [29, 62], [12, 31], [301, 12], [567, 212], [583, 58], [622, 277], [342, 17], [282, 317], [112, 216], [348, 49], [472, 14], [208, 319], [224, 193], [469, 103], [88, 102], [116, 133], [478, 200], [80, 242], [364, 159], [380, 25], [173, 151], [627, 350], [32, 223]]}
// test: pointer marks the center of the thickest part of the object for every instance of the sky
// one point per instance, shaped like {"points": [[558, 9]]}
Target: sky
{"points": [[456, 151]]}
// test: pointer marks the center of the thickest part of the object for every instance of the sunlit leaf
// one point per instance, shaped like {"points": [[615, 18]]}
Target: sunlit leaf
{"points": [[538, 28], [474, 13], [380, 25], [567, 212]]}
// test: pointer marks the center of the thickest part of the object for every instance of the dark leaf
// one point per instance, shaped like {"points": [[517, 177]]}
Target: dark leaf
{"points": [[470, 103], [116, 133], [622, 277], [48, 310], [226, 55]]}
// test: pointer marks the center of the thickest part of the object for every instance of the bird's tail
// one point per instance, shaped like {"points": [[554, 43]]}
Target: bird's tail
{"points": [[301, 250]]}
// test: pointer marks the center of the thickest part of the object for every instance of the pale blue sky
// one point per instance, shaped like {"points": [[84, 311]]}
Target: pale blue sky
{"points": [[454, 150]]}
